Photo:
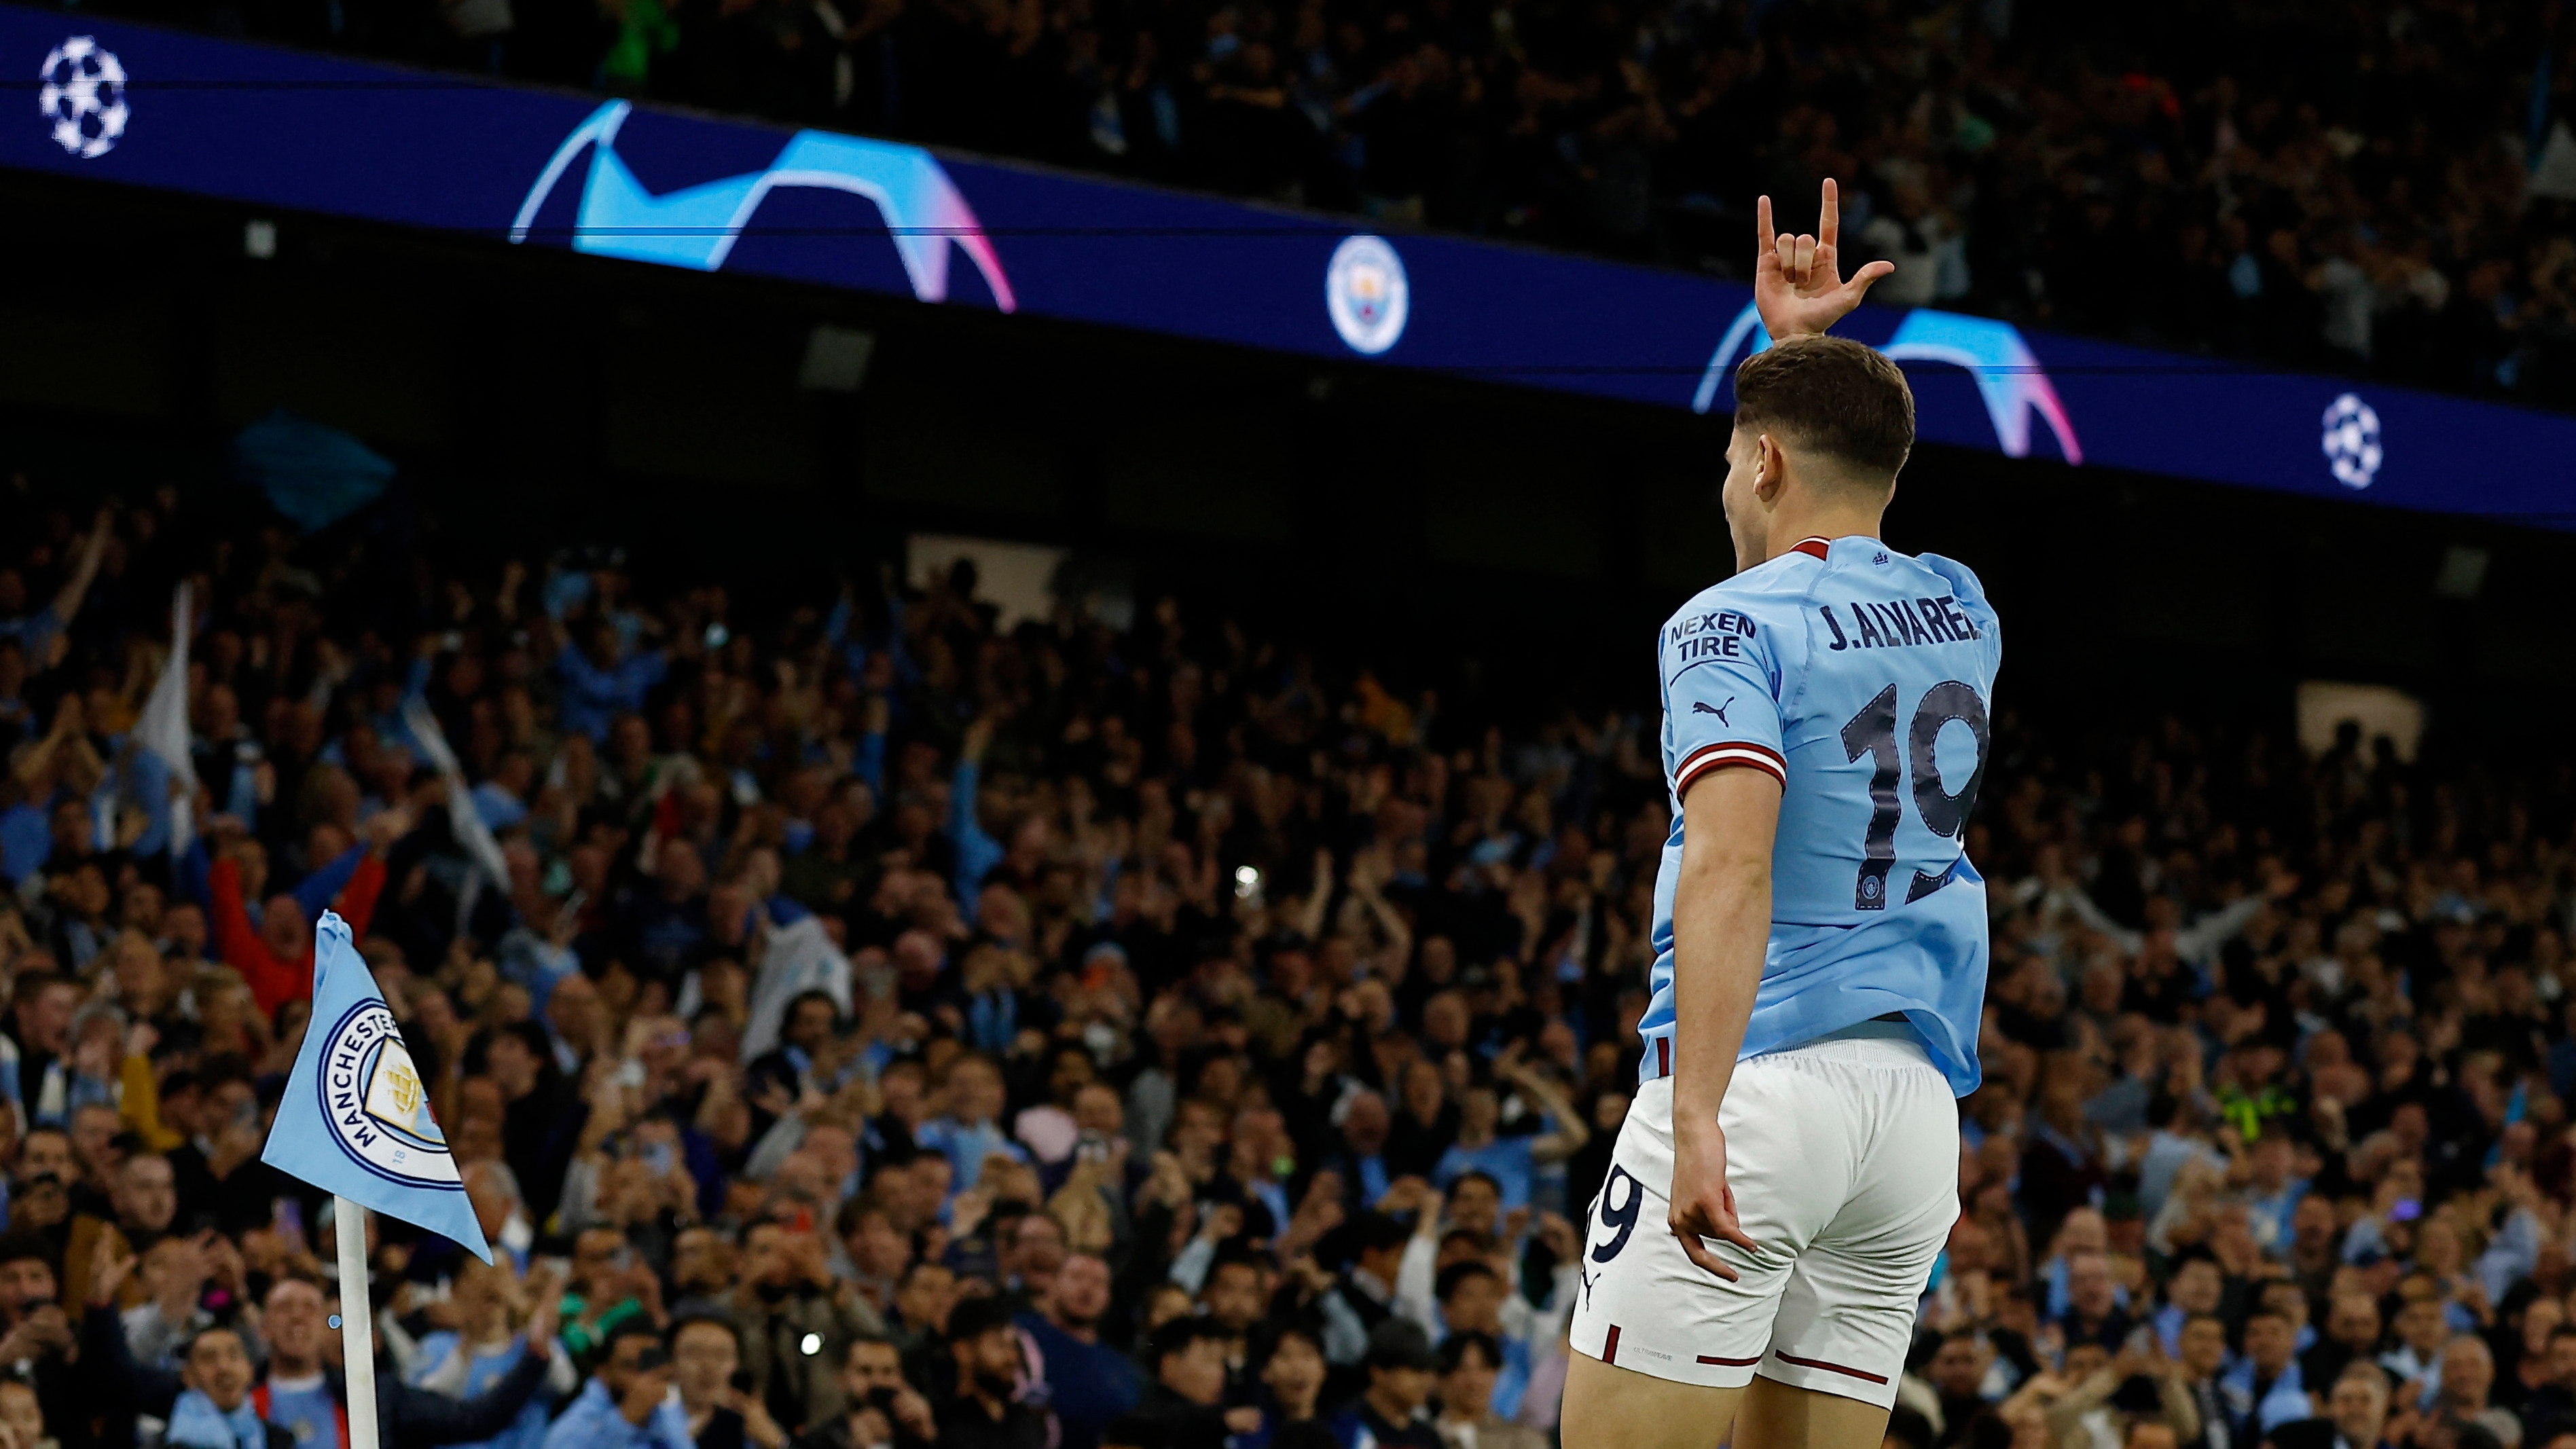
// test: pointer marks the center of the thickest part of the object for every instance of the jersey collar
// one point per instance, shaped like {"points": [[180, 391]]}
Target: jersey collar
{"points": [[1812, 547]]}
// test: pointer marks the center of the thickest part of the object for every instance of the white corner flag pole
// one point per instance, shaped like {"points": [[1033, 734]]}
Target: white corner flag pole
{"points": [[357, 1321]]}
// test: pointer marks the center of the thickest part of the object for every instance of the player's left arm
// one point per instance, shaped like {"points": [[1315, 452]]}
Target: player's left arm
{"points": [[1721, 929]]}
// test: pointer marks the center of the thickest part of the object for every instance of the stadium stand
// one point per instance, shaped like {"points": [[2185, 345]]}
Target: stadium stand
{"points": [[1163, 1031], [2384, 191]]}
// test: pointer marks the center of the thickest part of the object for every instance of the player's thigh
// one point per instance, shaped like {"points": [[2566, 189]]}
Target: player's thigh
{"points": [[1775, 1415], [1643, 1304], [1608, 1407], [1848, 1312]]}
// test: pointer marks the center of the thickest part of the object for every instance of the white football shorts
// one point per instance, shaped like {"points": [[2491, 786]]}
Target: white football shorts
{"points": [[1844, 1157]]}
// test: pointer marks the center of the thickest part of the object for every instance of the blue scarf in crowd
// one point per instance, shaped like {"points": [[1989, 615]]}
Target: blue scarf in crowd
{"points": [[196, 1423]]}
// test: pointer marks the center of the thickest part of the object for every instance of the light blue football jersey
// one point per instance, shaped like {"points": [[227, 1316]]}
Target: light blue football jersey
{"points": [[1862, 678]]}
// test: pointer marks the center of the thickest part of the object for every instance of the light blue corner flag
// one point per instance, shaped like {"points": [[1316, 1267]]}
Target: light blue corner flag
{"points": [[355, 1120]]}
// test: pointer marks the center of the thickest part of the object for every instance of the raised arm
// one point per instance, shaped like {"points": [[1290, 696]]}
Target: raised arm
{"points": [[1310, 911], [32, 765], [1571, 1130], [76, 588]]}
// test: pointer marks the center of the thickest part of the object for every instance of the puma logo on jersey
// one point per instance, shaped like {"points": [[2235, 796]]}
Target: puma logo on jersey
{"points": [[1701, 706]]}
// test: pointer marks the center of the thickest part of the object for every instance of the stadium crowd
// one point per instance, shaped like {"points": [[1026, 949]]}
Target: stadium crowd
{"points": [[2320, 184], [873, 1026]]}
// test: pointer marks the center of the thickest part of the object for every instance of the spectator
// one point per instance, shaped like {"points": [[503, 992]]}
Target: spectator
{"points": [[1186, 1398], [2356, 1415], [37, 1339], [1512, 1162], [1363, 1296], [2468, 1376], [981, 1404], [2203, 1364], [2352, 1332], [794, 1323], [2192, 1289], [2554, 1403], [879, 1407], [1393, 1411], [1088, 1382], [705, 1358], [1292, 1380], [1469, 1362], [501, 1326], [628, 1402], [1472, 1296], [2093, 1314], [2263, 1390], [970, 1131], [213, 1410]]}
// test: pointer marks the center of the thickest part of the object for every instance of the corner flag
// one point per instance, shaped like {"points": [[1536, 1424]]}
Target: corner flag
{"points": [[355, 1120]]}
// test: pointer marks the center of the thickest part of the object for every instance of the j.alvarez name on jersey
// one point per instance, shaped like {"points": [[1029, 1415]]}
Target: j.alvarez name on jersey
{"points": [[1899, 623]]}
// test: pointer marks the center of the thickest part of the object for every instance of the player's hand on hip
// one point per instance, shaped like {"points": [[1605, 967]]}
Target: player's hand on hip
{"points": [[1703, 1204], [1798, 284]]}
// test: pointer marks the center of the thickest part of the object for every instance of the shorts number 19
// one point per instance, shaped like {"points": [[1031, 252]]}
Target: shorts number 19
{"points": [[1620, 1220]]}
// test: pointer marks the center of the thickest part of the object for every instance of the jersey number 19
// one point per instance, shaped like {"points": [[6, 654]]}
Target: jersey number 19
{"points": [[1872, 732]]}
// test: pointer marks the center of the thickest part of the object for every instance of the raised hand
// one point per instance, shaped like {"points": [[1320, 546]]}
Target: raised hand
{"points": [[108, 1273], [1798, 284]]}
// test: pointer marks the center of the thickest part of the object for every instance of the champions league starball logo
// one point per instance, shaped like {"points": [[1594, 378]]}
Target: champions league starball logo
{"points": [[81, 92], [2009, 378], [697, 226], [2351, 442], [1366, 295], [376, 1105]]}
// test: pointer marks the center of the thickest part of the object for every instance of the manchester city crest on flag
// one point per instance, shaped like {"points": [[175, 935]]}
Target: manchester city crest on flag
{"points": [[356, 1119], [376, 1104]]}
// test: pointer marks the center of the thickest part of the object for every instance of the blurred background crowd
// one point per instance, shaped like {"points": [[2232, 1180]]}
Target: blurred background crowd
{"points": [[861, 1023], [867, 1025], [2371, 188]]}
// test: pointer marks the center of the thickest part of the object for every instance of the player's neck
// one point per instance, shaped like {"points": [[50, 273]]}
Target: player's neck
{"points": [[1795, 522]]}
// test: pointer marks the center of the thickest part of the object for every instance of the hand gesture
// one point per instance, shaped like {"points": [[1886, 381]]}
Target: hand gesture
{"points": [[1559, 1236], [1222, 1224], [912, 1412], [1703, 1205], [757, 1425], [1797, 280], [51, 1327], [23, 1342], [108, 1272], [966, 1212], [545, 1307], [1170, 1183], [224, 1266], [185, 1281]]}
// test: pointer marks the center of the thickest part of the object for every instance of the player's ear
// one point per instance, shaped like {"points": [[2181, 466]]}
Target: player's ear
{"points": [[1770, 468]]}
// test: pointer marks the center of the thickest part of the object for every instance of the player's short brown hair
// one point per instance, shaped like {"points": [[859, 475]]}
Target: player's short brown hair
{"points": [[1844, 400]]}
